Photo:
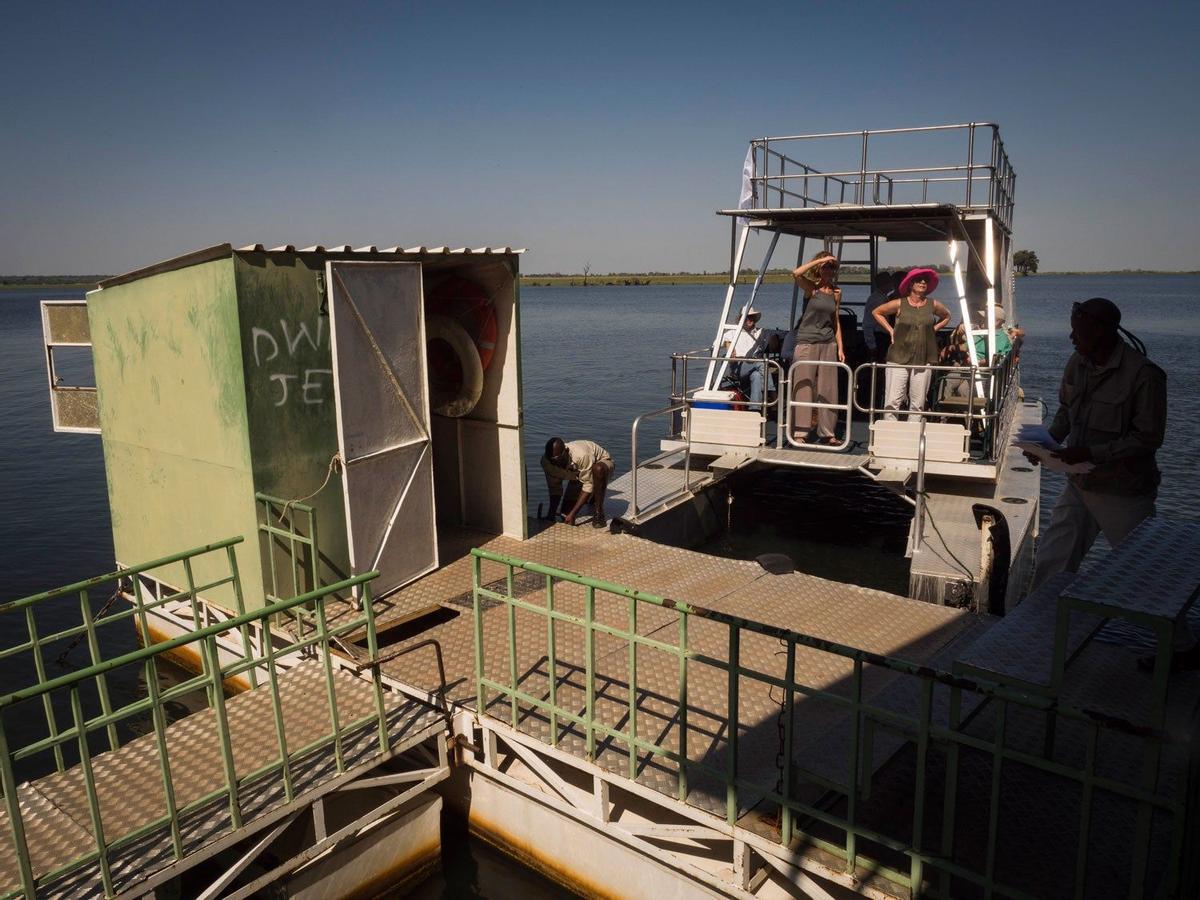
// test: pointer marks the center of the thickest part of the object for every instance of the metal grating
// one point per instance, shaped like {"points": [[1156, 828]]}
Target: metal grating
{"points": [[129, 781], [1168, 548]]}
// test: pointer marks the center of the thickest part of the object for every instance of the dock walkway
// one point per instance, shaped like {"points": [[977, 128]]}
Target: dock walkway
{"points": [[1037, 806], [873, 620], [128, 781]]}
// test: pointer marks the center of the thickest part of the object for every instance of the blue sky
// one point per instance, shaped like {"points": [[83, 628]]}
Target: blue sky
{"points": [[588, 133]]}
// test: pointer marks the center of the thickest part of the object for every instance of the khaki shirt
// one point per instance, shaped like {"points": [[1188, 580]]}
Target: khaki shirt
{"points": [[1119, 410], [582, 455]]}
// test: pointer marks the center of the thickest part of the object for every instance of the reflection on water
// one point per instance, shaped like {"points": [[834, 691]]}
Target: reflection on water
{"points": [[843, 527]]}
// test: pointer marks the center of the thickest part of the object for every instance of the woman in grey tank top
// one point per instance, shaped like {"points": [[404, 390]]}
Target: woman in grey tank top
{"points": [[818, 339]]}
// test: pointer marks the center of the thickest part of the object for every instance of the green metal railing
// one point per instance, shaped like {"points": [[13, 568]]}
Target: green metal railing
{"points": [[278, 529], [932, 866], [248, 651]]}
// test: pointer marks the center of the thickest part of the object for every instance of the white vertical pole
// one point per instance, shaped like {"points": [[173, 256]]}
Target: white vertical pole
{"points": [[968, 330], [749, 303], [735, 268], [990, 257], [962, 302]]}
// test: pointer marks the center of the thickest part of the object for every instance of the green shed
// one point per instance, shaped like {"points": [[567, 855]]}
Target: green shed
{"points": [[303, 375]]}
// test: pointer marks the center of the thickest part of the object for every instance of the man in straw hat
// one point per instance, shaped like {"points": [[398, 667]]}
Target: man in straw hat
{"points": [[748, 344], [1112, 413]]}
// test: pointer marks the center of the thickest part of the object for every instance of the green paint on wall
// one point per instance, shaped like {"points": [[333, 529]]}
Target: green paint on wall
{"points": [[173, 422], [289, 392]]}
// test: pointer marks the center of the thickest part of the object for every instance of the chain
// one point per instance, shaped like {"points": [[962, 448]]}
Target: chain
{"points": [[62, 657], [780, 725]]}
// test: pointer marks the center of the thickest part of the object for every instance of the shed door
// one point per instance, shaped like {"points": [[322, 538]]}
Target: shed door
{"points": [[377, 330]]}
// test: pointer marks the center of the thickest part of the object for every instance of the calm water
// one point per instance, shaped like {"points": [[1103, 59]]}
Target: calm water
{"points": [[593, 358]]}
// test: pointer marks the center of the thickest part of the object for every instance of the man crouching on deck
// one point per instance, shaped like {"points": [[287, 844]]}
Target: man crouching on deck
{"points": [[585, 462]]}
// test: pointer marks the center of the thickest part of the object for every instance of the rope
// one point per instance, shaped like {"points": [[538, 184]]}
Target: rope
{"points": [[335, 462], [62, 657]]}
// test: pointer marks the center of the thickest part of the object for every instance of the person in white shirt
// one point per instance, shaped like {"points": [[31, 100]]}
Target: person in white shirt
{"points": [[747, 344]]}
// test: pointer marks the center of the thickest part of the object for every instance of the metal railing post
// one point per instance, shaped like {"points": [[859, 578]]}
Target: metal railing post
{"points": [[970, 160], [158, 721], [480, 690], [217, 689], [39, 667], [512, 648], [552, 660], [323, 649], [919, 509], [289, 791], [862, 172], [732, 722], [683, 704], [589, 650], [376, 674], [89, 786], [16, 824]]}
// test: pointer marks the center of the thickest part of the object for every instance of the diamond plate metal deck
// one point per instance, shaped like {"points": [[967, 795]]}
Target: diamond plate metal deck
{"points": [[814, 459], [655, 484], [129, 783], [1020, 649], [870, 619], [1165, 549]]}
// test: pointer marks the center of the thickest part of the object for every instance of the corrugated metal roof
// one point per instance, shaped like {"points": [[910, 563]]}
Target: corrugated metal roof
{"points": [[373, 249], [222, 250]]}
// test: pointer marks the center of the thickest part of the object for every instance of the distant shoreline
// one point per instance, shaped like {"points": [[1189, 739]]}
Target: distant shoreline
{"points": [[640, 280], [625, 279]]}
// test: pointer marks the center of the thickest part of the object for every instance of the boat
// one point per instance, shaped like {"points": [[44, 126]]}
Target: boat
{"points": [[974, 498], [381, 636]]}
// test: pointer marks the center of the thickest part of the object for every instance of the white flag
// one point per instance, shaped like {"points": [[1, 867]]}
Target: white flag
{"points": [[749, 197]]}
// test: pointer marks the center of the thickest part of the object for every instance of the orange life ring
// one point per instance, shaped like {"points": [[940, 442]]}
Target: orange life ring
{"points": [[468, 304]]}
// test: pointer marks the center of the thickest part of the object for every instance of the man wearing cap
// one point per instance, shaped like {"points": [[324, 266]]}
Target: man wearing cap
{"points": [[1112, 413], [585, 462], [746, 344]]}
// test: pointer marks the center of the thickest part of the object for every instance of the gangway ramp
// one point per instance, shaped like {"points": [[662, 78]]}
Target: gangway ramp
{"points": [[121, 813]]}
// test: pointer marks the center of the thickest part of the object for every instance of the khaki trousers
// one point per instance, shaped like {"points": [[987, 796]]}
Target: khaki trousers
{"points": [[819, 380], [1078, 518], [905, 386]]}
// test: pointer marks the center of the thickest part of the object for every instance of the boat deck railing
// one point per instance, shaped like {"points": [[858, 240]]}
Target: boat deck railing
{"points": [[938, 825], [234, 653], [977, 177], [987, 396]]}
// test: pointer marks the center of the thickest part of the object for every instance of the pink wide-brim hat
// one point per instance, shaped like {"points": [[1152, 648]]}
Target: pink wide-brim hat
{"points": [[928, 274]]}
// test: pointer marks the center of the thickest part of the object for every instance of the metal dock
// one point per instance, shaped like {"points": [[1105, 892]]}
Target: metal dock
{"points": [[121, 813], [678, 690]]}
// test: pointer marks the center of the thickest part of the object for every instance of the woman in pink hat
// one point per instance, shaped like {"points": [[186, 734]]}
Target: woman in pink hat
{"points": [[914, 341], [818, 336]]}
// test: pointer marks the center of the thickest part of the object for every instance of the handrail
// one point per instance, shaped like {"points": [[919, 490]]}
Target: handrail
{"points": [[992, 411], [118, 575], [993, 166], [258, 657], [946, 733], [687, 458], [272, 534], [161, 647], [847, 407]]}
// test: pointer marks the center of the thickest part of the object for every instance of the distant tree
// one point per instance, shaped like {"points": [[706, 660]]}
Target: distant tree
{"points": [[1026, 262], [587, 270]]}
